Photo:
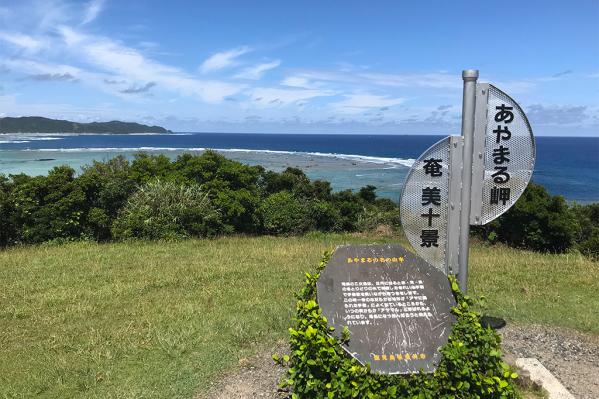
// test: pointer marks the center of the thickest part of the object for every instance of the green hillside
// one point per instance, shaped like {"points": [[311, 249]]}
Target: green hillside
{"points": [[37, 124]]}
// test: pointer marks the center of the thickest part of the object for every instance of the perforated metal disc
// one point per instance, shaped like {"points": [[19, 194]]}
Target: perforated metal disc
{"points": [[412, 208], [520, 166]]}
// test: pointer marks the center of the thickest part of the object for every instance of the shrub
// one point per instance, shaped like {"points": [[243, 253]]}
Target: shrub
{"points": [[283, 213], [65, 206], [587, 235], [350, 207], [107, 186], [367, 193], [8, 232], [238, 208], [325, 217], [590, 245], [145, 167], [537, 221], [371, 218], [291, 179], [165, 210], [471, 366], [233, 187], [48, 207], [99, 223]]}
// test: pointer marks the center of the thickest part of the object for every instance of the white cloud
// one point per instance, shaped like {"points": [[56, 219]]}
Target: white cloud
{"points": [[34, 67], [354, 103], [438, 80], [53, 12], [517, 86], [272, 96], [255, 72], [71, 37], [24, 41], [297, 81], [93, 9], [557, 115], [52, 40], [13, 106], [131, 65], [223, 59], [434, 80], [107, 82]]}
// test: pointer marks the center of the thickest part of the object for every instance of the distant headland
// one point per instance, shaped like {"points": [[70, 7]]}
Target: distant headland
{"points": [[38, 124]]}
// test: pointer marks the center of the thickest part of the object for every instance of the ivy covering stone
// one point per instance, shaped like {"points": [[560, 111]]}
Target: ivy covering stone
{"points": [[318, 367]]}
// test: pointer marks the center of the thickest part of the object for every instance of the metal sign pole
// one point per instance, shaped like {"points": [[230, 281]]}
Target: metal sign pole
{"points": [[470, 76], [470, 179]]}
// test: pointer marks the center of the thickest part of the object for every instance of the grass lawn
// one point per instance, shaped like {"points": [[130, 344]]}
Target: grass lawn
{"points": [[560, 290], [157, 320]]}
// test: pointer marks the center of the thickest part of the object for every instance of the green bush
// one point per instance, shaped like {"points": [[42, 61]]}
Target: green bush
{"points": [[537, 221], [587, 235], [350, 206], [325, 217], [165, 210], [590, 245], [63, 205], [283, 213], [47, 207], [368, 193], [373, 217], [145, 167], [471, 366], [233, 187], [107, 186], [9, 230]]}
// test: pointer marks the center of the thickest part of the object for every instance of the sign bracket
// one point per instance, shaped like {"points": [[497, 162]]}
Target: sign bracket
{"points": [[478, 159], [456, 145]]}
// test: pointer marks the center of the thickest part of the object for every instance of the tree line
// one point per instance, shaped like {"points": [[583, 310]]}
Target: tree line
{"points": [[155, 197], [207, 195]]}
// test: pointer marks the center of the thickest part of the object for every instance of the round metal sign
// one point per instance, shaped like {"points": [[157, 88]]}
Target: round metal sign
{"points": [[424, 203], [509, 154]]}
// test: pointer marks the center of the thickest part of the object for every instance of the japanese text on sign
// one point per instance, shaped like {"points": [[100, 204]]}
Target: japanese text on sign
{"points": [[504, 115], [431, 197], [367, 302]]}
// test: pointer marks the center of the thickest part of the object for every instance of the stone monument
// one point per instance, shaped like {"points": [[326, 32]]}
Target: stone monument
{"points": [[396, 306]]}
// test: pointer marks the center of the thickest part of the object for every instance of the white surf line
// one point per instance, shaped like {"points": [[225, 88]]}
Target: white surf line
{"points": [[408, 162]]}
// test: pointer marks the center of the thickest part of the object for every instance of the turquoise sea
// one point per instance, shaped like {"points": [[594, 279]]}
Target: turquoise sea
{"points": [[566, 166]]}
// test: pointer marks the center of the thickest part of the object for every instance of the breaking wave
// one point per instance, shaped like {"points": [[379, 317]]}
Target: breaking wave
{"points": [[394, 162], [8, 139]]}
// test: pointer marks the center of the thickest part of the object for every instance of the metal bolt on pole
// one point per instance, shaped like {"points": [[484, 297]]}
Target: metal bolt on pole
{"points": [[470, 76]]}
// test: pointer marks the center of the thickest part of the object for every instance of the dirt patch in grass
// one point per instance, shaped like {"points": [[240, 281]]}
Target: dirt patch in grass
{"points": [[256, 377], [571, 356]]}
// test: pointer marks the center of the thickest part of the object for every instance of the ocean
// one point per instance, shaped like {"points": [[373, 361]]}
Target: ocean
{"points": [[567, 166]]}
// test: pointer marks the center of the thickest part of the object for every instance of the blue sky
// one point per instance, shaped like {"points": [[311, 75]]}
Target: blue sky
{"points": [[303, 66]]}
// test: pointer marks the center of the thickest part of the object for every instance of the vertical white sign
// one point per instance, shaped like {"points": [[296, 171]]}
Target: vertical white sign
{"points": [[424, 204], [504, 154]]}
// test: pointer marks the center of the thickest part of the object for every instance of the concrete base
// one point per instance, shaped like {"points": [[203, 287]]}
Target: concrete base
{"points": [[543, 377]]}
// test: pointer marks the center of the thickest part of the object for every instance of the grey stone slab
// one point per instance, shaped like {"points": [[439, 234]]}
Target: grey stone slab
{"points": [[395, 305], [543, 377]]}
